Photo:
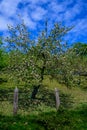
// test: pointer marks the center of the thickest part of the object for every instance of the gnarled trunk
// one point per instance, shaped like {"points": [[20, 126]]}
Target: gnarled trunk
{"points": [[36, 88], [35, 91]]}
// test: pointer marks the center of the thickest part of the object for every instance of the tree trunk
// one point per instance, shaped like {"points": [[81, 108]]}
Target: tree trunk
{"points": [[35, 91], [36, 88]]}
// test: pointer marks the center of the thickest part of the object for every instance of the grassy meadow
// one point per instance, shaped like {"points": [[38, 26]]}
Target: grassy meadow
{"points": [[44, 116]]}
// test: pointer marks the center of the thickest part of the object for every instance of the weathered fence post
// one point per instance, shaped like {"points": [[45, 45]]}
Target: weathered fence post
{"points": [[57, 98], [15, 102]]}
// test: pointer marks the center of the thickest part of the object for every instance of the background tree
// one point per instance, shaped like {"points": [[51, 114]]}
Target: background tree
{"points": [[76, 62], [80, 65], [3, 61], [3, 56]]}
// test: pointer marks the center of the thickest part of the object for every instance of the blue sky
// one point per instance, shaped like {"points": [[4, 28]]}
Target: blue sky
{"points": [[35, 12]]}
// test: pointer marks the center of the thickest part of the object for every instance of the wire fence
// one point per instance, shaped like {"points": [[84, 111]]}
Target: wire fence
{"points": [[19, 101]]}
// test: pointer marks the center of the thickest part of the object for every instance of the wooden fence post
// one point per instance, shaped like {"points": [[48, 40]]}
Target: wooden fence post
{"points": [[15, 102], [57, 98]]}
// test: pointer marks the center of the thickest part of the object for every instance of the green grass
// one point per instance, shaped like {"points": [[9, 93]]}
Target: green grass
{"points": [[79, 95], [62, 120], [45, 117]]}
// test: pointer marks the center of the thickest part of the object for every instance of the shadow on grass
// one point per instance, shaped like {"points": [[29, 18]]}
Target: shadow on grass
{"points": [[45, 97], [2, 80], [64, 119]]}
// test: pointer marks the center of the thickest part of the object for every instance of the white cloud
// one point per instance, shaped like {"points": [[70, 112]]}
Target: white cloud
{"points": [[8, 7], [10, 10], [57, 7], [31, 24], [4, 22], [79, 31], [37, 1], [72, 12], [38, 13], [59, 11], [81, 26], [37, 10]]}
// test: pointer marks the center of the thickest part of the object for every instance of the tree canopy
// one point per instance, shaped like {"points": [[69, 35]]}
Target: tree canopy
{"points": [[30, 59]]}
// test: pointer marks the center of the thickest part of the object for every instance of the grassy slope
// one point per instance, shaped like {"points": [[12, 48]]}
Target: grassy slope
{"points": [[47, 118], [79, 95]]}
